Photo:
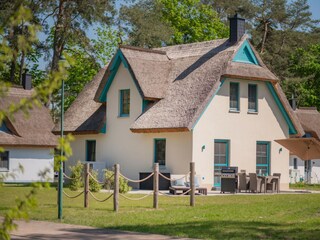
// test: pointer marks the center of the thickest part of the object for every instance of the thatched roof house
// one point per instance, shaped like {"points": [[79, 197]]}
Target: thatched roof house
{"points": [[177, 81], [32, 129], [309, 118]]}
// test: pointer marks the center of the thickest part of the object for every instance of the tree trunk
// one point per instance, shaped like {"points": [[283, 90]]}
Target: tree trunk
{"points": [[13, 69], [264, 37]]}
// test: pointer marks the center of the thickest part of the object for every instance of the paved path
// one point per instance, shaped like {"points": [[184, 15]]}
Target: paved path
{"points": [[52, 231]]}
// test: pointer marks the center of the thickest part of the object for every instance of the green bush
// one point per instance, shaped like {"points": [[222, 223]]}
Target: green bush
{"points": [[109, 182], [77, 180], [94, 186], [77, 177]]}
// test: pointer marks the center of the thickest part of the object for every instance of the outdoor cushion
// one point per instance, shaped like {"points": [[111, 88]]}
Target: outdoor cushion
{"points": [[179, 182], [196, 182]]}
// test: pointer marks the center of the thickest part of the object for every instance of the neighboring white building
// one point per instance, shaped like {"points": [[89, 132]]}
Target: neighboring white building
{"points": [[214, 103], [300, 170], [27, 140]]}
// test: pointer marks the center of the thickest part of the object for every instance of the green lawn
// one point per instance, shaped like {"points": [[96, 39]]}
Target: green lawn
{"points": [[214, 217], [303, 186]]}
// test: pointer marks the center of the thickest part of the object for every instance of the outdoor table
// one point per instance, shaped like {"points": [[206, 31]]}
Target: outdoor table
{"points": [[271, 178]]}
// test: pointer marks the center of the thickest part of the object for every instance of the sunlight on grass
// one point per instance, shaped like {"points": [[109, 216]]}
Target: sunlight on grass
{"points": [[214, 217]]}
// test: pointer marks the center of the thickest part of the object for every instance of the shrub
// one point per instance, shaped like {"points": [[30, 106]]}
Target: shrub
{"points": [[109, 182], [94, 186], [77, 177]]}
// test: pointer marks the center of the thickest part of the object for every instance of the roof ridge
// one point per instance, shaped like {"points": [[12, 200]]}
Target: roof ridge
{"points": [[190, 44], [143, 49]]}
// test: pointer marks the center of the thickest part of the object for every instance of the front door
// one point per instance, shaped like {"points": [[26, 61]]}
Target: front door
{"points": [[221, 159]]}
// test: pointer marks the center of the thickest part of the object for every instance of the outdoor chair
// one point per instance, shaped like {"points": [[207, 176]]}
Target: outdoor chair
{"points": [[271, 185], [277, 181], [243, 182], [255, 183]]}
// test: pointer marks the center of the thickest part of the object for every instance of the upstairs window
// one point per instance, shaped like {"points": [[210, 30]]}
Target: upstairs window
{"points": [[234, 96], [252, 98], [160, 151], [4, 161], [124, 103], [91, 150]]}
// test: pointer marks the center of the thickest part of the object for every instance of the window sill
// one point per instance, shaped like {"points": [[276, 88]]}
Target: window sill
{"points": [[124, 116], [4, 170], [253, 112], [234, 111]]}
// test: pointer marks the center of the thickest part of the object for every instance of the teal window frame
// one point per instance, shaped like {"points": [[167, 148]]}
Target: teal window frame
{"points": [[267, 165], [255, 109], [121, 103], [227, 142], [88, 159], [4, 154], [232, 108], [155, 160]]}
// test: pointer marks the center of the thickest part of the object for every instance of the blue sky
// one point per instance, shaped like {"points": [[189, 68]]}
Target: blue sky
{"points": [[315, 8]]}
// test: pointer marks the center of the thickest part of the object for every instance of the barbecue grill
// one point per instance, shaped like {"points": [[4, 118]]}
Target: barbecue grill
{"points": [[229, 179]]}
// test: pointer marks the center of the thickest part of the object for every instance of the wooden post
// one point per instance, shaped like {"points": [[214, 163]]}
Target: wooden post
{"points": [[116, 188], [155, 185], [192, 186], [86, 185]]}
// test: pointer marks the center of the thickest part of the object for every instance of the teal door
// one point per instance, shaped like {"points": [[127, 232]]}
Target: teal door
{"points": [[221, 159], [263, 158]]}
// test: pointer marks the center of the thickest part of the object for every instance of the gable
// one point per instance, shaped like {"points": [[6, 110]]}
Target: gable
{"points": [[114, 67], [245, 54]]}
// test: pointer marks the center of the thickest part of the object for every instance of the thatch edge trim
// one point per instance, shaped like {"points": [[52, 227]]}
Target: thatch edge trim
{"points": [[159, 130], [249, 78]]}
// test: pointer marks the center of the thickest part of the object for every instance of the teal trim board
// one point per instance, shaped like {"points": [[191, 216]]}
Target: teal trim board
{"points": [[292, 129], [118, 58], [245, 54], [104, 128], [206, 107]]}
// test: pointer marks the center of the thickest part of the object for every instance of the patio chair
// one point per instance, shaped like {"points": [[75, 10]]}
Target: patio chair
{"points": [[255, 183], [243, 182], [277, 181]]}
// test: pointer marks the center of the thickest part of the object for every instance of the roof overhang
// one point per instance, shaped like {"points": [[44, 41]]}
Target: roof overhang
{"points": [[159, 130]]}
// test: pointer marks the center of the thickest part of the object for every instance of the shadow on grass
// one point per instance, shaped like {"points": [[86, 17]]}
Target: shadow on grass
{"points": [[229, 230]]}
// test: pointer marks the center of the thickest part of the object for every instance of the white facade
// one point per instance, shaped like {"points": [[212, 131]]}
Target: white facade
{"points": [[135, 151], [34, 161], [304, 171]]}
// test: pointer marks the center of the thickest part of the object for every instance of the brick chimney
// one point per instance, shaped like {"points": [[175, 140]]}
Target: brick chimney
{"points": [[237, 28], [26, 80]]}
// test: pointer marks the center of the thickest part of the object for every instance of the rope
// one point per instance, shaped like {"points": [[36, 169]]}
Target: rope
{"points": [[135, 199], [171, 179], [99, 200], [137, 181], [72, 196], [70, 177], [90, 175], [108, 179]]}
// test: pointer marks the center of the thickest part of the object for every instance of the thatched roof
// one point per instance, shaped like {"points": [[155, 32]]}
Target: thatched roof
{"points": [[309, 118], [180, 79], [85, 116], [33, 129]]}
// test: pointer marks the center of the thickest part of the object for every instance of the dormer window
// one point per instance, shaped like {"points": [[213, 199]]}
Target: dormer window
{"points": [[124, 103], [252, 98]]}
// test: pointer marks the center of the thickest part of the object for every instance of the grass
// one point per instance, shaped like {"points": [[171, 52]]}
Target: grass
{"points": [[314, 187], [214, 217]]}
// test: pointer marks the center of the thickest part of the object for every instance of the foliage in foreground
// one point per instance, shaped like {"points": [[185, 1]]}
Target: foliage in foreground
{"points": [[109, 182]]}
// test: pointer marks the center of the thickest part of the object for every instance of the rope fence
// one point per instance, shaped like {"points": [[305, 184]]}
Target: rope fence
{"points": [[156, 174]]}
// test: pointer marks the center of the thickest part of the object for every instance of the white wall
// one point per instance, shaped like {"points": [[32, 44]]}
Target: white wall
{"points": [[33, 160], [133, 151], [243, 129], [300, 173]]}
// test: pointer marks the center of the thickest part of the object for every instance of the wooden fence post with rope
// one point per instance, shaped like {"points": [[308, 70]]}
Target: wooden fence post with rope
{"points": [[192, 185], [86, 185], [155, 185], [116, 188]]}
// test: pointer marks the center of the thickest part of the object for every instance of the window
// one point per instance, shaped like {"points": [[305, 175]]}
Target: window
{"points": [[4, 161], [221, 159], [252, 98], [234, 96], [295, 163], [91, 151], [124, 103], [263, 158], [160, 151]]}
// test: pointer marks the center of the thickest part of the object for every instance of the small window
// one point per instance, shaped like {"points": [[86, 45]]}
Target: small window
{"points": [[295, 163], [124, 103], [4, 161], [160, 151], [252, 98], [91, 151], [263, 158], [234, 96]]}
